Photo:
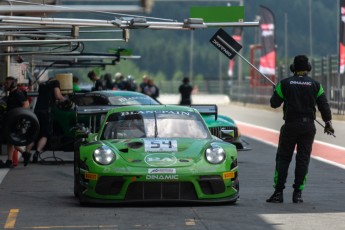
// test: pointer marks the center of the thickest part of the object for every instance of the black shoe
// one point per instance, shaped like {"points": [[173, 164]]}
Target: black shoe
{"points": [[277, 197], [8, 164], [297, 197], [26, 156], [35, 157], [2, 164]]}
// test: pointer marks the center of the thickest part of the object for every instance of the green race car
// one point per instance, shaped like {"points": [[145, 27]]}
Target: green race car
{"points": [[154, 153]]}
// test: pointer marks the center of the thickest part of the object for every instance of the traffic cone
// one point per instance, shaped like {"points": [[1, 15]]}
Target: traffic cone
{"points": [[15, 158]]}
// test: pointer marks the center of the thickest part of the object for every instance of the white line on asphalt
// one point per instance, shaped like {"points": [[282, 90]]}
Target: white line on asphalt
{"points": [[3, 173], [275, 145], [328, 162]]}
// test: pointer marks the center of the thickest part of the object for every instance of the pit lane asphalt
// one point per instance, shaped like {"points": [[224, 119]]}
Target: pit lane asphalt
{"points": [[41, 196]]}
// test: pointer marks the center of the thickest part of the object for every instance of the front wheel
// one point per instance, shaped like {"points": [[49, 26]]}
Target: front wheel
{"points": [[76, 168]]}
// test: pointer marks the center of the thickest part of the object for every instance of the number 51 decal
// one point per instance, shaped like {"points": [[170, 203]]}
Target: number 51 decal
{"points": [[160, 145]]}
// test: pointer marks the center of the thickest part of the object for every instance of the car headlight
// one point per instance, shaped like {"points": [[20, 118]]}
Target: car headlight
{"points": [[103, 155], [215, 154]]}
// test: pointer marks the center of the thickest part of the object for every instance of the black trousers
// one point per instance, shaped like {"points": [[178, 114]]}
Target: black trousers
{"points": [[294, 134]]}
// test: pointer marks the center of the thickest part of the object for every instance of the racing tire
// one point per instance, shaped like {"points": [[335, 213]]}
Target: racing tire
{"points": [[78, 193], [76, 169], [21, 127], [82, 201]]}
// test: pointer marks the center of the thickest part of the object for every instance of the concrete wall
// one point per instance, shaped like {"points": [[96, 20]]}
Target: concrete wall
{"points": [[219, 99]]}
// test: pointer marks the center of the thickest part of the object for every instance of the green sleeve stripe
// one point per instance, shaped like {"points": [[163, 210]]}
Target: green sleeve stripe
{"points": [[321, 91], [279, 90]]}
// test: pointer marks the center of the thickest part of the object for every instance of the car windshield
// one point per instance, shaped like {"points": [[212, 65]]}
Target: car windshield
{"points": [[155, 124], [132, 100], [117, 100]]}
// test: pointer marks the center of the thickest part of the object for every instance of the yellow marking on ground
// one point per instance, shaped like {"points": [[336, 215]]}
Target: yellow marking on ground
{"points": [[11, 219], [190, 222]]}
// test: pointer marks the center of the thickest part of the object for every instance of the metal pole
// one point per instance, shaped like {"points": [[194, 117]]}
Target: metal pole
{"points": [[57, 41], [240, 63], [220, 73], [338, 51], [310, 30], [286, 41], [191, 55], [324, 127]]}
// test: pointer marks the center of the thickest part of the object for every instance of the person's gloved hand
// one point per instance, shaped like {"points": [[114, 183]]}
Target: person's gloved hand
{"points": [[329, 128], [65, 105]]}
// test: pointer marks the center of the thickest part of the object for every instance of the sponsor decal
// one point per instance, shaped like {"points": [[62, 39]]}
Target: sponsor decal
{"points": [[115, 170], [225, 43], [162, 171], [299, 83], [161, 177], [160, 159], [127, 99], [228, 175], [91, 176], [221, 48], [184, 113]]}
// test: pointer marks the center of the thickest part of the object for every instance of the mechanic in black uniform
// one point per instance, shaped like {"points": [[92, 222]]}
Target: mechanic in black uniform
{"points": [[16, 99], [300, 94], [97, 83], [48, 93], [185, 90]]}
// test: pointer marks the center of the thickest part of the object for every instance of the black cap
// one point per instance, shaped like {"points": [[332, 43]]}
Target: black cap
{"points": [[185, 80], [301, 63]]}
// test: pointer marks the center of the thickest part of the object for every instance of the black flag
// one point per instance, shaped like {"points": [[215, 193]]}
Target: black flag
{"points": [[237, 35]]}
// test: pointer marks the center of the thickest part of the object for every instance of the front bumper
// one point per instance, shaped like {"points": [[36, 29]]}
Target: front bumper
{"points": [[131, 188]]}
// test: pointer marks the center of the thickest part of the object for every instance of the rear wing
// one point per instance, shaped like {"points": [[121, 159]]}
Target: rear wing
{"points": [[207, 109], [93, 110], [94, 115], [36, 93]]}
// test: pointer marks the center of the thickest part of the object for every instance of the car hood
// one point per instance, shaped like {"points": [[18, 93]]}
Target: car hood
{"points": [[137, 152]]}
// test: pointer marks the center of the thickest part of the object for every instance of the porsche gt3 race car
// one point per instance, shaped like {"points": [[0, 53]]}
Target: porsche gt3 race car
{"points": [[154, 153]]}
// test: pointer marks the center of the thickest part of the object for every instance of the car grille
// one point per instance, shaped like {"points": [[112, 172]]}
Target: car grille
{"points": [[211, 185], [217, 131], [161, 191], [109, 185]]}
